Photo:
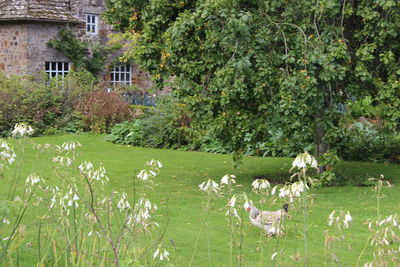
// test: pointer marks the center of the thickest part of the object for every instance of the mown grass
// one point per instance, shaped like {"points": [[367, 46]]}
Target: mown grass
{"points": [[180, 202]]}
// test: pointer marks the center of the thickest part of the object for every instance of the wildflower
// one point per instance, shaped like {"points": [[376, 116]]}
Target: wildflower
{"points": [[304, 160], [123, 203], [63, 161], [162, 255], [72, 198], [347, 219], [232, 202], [143, 175], [92, 174], [7, 154], [33, 179], [69, 146], [6, 221], [273, 191], [228, 179], [209, 186], [261, 184], [331, 218], [22, 129]]}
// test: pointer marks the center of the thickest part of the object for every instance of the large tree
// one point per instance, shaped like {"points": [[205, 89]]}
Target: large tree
{"points": [[250, 68]]}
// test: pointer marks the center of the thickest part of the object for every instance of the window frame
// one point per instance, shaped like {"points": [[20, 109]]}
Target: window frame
{"points": [[124, 76], [57, 71], [92, 28]]}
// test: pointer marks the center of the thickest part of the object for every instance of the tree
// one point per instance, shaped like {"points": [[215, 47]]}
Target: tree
{"points": [[247, 68]]}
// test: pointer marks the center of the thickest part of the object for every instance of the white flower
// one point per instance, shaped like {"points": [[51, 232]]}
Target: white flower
{"points": [[123, 203], [305, 160], [347, 219], [232, 202], [228, 179], [273, 191], [209, 186], [7, 154], [33, 179], [22, 129], [162, 255], [261, 184], [331, 218], [143, 175], [283, 192]]}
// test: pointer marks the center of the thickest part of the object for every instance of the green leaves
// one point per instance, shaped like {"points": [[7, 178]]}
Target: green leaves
{"points": [[244, 67]]}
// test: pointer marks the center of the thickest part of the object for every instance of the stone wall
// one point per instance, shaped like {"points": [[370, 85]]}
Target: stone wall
{"points": [[39, 33], [23, 44], [13, 44]]}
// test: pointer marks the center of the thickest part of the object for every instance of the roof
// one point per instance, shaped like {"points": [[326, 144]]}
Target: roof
{"points": [[42, 10]]}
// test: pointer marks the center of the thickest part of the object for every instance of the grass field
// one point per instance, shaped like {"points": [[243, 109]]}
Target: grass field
{"points": [[180, 203]]}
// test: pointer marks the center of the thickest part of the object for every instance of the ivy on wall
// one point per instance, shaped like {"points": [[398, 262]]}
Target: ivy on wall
{"points": [[84, 55]]}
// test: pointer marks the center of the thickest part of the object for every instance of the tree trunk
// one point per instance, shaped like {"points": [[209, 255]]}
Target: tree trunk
{"points": [[321, 146]]}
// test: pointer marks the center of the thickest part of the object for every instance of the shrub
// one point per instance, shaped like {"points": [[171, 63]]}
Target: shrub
{"points": [[166, 126], [101, 110], [46, 105], [364, 141]]}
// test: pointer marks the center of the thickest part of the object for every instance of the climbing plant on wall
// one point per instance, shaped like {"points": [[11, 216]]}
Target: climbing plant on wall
{"points": [[84, 55]]}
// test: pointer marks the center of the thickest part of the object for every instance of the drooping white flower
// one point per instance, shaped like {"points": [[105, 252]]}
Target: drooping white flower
{"points": [[22, 129], [228, 179], [123, 203], [209, 186], [331, 218], [162, 255], [273, 191], [33, 179], [347, 219], [7, 155], [304, 160], [261, 184]]}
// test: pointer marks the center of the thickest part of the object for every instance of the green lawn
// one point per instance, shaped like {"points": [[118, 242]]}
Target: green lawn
{"points": [[181, 203]]}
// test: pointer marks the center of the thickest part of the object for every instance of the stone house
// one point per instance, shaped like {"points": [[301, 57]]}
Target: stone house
{"points": [[27, 25]]}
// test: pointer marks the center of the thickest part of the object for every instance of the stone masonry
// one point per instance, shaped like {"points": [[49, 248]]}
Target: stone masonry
{"points": [[27, 25]]}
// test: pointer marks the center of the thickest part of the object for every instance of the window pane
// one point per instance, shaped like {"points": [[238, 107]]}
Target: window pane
{"points": [[53, 65], [112, 76], [66, 66], [116, 77], [47, 66], [122, 76], [122, 68], [88, 18], [128, 77], [59, 66], [116, 68]]}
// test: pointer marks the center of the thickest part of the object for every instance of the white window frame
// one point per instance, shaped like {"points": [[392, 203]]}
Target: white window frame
{"points": [[58, 68], [92, 24], [121, 74]]}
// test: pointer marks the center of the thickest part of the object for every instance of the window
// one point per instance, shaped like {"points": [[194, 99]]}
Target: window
{"points": [[54, 68], [92, 24], [121, 74]]}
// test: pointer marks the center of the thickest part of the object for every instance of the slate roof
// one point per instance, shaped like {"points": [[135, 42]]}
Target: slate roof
{"points": [[44, 10]]}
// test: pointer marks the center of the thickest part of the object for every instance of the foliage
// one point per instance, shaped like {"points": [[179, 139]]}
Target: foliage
{"points": [[364, 141], [42, 103], [245, 67], [84, 55], [166, 126], [101, 110]]}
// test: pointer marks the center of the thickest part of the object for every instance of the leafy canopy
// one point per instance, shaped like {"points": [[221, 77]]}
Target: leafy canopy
{"points": [[249, 67]]}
